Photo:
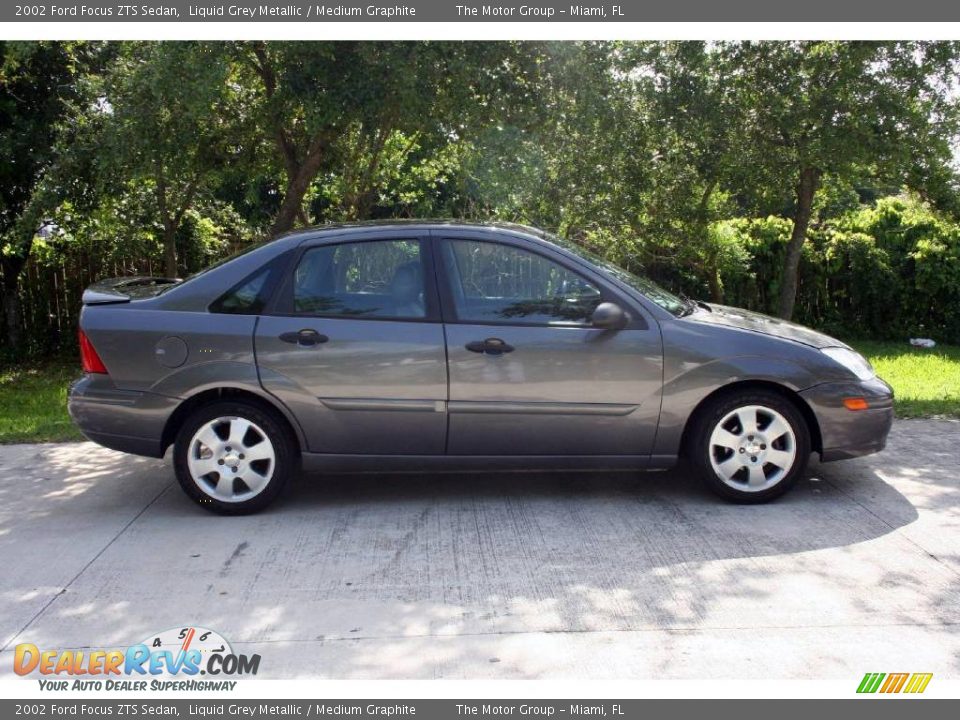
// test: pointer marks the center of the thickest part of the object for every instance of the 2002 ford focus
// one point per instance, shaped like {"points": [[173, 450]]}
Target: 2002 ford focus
{"points": [[449, 345]]}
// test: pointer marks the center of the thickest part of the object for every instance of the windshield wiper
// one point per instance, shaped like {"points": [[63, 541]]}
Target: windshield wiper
{"points": [[689, 305]]}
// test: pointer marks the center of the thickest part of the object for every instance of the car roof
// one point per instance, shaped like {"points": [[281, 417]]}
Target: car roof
{"points": [[317, 231]]}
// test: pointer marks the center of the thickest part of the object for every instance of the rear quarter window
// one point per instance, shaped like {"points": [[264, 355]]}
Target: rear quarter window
{"points": [[250, 295]]}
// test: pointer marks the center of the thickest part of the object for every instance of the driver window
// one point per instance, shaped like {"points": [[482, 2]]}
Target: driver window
{"points": [[501, 283]]}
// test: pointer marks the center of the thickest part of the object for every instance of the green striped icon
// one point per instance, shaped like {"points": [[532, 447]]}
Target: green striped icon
{"points": [[871, 682]]}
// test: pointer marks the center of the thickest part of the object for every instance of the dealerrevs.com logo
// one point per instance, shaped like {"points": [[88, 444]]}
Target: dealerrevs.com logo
{"points": [[171, 660], [889, 683]]}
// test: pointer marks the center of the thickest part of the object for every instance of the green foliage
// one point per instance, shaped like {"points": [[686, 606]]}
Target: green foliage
{"points": [[343, 123], [914, 280], [168, 118], [678, 160], [39, 83], [887, 271], [754, 248]]}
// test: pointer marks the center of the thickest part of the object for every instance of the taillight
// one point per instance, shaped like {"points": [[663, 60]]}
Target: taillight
{"points": [[88, 356]]}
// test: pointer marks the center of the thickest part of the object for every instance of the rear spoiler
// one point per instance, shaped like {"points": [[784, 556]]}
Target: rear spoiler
{"points": [[121, 290]]}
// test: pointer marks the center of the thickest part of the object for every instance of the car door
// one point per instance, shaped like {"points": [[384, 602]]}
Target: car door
{"points": [[529, 375], [353, 345]]}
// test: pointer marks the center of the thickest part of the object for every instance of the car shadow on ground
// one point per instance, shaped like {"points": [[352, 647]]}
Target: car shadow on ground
{"points": [[672, 502], [385, 571]]}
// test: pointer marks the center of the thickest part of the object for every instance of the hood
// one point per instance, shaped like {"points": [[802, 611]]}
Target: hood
{"points": [[758, 322]]}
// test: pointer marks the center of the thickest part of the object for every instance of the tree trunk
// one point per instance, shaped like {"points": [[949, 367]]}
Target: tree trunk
{"points": [[170, 249], [716, 285], [806, 190], [703, 226], [292, 205], [298, 175], [364, 196], [297, 186], [169, 225]]}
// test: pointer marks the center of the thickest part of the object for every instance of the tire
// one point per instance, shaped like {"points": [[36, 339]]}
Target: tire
{"points": [[750, 447], [234, 457]]}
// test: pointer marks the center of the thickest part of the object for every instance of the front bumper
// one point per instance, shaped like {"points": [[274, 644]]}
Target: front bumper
{"points": [[125, 420], [851, 433]]}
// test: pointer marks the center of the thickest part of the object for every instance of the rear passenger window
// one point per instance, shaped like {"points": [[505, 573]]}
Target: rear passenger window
{"points": [[378, 278]]}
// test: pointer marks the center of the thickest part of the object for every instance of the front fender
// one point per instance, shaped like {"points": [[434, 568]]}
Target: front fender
{"points": [[691, 383]]}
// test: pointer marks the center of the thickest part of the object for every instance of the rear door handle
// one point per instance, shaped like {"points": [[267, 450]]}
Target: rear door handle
{"points": [[306, 337], [490, 346]]}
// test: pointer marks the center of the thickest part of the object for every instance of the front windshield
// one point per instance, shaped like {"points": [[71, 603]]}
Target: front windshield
{"points": [[664, 298]]}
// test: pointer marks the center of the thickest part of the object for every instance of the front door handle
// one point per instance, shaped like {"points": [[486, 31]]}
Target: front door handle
{"points": [[306, 337], [490, 346]]}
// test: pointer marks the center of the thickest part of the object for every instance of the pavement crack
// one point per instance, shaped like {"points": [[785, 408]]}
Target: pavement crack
{"points": [[82, 570], [237, 554]]}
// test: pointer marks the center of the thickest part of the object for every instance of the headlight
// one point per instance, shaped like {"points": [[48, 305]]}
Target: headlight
{"points": [[852, 361]]}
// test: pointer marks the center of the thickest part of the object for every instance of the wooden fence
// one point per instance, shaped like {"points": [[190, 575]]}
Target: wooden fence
{"points": [[50, 294]]}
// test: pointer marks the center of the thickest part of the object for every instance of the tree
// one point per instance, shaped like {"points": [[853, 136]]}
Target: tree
{"points": [[338, 107], [171, 119], [39, 84], [581, 166], [637, 141], [695, 127], [842, 109]]}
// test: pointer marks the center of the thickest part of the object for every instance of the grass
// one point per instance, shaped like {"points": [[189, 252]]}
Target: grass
{"points": [[33, 396], [925, 382], [33, 402]]}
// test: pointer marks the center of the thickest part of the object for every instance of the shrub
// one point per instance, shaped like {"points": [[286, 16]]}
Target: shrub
{"points": [[888, 271]]}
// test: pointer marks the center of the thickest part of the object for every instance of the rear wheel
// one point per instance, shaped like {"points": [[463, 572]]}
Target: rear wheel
{"points": [[750, 447], [233, 458]]}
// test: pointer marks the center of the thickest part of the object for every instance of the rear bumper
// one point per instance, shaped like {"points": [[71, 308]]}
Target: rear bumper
{"points": [[124, 420], [846, 433]]}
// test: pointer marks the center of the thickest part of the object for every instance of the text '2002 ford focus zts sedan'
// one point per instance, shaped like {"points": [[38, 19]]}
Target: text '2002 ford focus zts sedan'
{"points": [[409, 346]]}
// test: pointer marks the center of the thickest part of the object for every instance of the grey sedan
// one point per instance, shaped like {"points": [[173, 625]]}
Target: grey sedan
{"points": [[441, 345]]}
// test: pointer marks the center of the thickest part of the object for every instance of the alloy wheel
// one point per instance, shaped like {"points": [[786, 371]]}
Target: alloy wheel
{"points": [[752, 448], [231, 459]]}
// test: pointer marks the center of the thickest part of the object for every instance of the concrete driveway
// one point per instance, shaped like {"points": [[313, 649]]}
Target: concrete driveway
{"points": [[508, 575]]}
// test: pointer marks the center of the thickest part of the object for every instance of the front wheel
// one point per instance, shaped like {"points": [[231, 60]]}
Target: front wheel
{"points": [[750, 447], [233, 458]]}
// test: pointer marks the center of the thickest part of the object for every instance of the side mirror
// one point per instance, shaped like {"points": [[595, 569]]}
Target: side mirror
{"points": [[609, 316]]}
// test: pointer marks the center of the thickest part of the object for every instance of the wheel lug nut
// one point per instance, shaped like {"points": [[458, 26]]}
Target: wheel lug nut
{"points": [[741, 450], [219, 462], [762, 447], [753, 459], [228, 447], [234, 469], [241, 456]]}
